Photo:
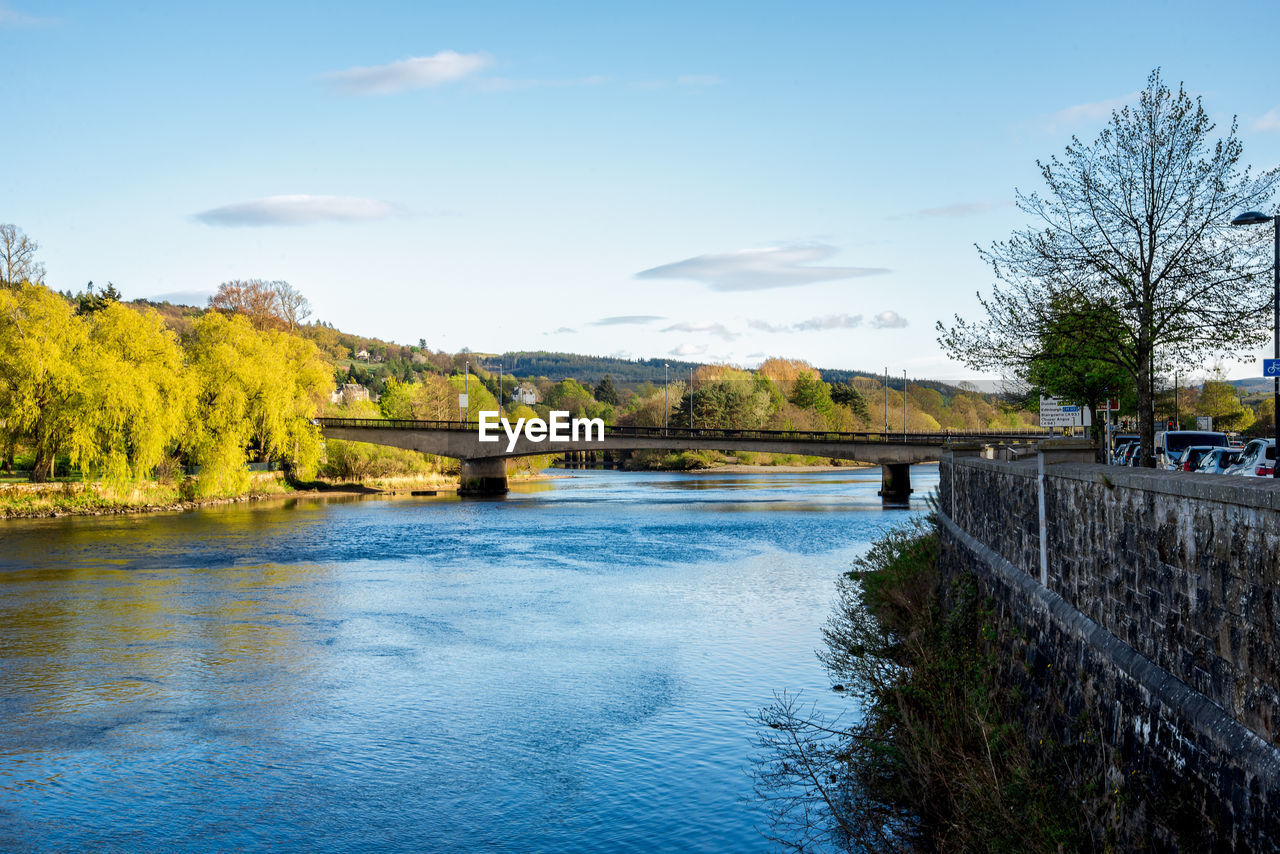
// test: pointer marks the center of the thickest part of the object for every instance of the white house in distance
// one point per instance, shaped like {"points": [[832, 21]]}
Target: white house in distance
{"points": [[525, 393], [348, 393]]}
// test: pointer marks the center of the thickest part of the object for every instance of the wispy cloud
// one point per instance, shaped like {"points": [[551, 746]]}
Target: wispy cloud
{"points": [[417, 72], [689, 350], [960, 209], [883, 320], [626, 320], [297, 210], [888, 320], [831, 321], [563, 330], [1268, 122], [10, 17], [1090, 112], [717, 329], [759, 269]]}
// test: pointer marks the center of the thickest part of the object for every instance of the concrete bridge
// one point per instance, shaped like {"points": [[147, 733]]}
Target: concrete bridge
{"points": [[484, 464]]}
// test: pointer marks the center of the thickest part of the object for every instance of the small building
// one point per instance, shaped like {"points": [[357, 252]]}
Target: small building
{"points": [[525, 393], [362, 354], [349, 393]]}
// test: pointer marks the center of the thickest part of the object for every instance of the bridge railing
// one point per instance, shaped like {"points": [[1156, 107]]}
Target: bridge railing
{"points": [[827, 436]]}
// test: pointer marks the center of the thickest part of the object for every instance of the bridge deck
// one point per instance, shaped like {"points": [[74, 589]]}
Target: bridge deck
{"points": [[705, 433]]}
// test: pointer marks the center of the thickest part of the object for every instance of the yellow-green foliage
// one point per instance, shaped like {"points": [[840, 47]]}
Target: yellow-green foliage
{"points": [[363, 461], [114, 392]]}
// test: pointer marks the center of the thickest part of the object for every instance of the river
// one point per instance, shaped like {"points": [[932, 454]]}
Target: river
{"points": [[572, 668]]}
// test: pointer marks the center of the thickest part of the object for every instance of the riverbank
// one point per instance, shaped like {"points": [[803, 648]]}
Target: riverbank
{"points": [[948, 753], [53, 500]]}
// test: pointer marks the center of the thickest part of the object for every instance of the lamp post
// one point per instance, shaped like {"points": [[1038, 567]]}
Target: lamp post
{"points": [[886, 403], [666, 404], [691, 397], [1255, 218], [904, 404]]}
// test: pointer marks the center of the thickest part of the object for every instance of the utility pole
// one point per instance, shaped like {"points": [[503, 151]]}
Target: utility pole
{"points": [[886, 401], [466, 387], [666, 404], [1177, 407], [691, 397], [904, 403]]}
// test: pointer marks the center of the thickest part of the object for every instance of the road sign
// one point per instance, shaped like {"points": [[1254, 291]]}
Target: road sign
{"points": [[1055, 413], [462, 401], [1204, 422], [1271, 367]]}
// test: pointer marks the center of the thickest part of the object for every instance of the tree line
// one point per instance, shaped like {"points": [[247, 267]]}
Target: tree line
{"points": [[111, 390]]}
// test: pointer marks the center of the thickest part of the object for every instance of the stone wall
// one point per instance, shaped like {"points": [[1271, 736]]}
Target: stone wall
{"points": [[1159, 619]]}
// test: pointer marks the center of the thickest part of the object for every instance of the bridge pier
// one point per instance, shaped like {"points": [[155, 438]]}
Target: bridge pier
{"points": [[895, 484], [483, 476]]}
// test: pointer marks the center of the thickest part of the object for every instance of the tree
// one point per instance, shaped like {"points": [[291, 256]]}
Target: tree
{"points": [[268, 305], [88, 302], [1133, 223], [18, 262], [43, 376], [294, 307], [1221, 400], [605, 392], [847, 395], [1069, 364]]}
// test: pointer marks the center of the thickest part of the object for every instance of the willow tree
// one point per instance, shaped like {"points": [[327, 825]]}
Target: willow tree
{"points": [[1133, 225]]}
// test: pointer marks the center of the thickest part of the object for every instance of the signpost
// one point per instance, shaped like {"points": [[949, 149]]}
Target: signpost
{"points": [[1055, 413], [1204, 422], [1271, 367]]}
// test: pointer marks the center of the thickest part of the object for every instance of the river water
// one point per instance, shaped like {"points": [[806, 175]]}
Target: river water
{"points": [[572, 668]]}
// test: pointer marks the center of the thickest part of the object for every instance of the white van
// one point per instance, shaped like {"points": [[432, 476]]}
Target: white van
{"points": [[1171, 443]]}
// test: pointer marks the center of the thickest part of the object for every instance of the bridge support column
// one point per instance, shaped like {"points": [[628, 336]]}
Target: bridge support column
{"points": [[484, 476], [895, 484]]}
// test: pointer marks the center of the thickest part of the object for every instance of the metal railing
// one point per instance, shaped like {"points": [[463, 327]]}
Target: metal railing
{"points": [[824, 436]]}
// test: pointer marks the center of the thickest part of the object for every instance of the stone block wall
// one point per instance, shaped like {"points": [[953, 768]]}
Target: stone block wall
{"points": [[1160, 617]]}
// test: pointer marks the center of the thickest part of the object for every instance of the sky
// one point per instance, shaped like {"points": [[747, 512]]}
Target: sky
{"points": [[706, 181]]}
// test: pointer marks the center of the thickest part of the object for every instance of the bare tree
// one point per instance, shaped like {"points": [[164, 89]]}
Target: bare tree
{"points": [[294, 307], [1132, 226], [18, 257]]}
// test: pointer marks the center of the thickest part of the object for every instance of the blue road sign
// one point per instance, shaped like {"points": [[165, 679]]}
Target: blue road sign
{"points": [[1271, 367]]}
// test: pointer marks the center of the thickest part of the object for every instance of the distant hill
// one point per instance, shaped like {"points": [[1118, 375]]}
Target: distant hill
{"points": [[1253, 385], [592, 369]]}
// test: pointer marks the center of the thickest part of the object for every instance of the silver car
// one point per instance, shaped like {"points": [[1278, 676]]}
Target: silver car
{"points": [[1218, 460], [1258, 459]]}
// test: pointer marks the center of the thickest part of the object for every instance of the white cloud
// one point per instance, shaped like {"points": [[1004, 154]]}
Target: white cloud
{"points": [[813, 324], [758, 269], [888, 320], [831, 321], [1091, 112], [626, 320], [1270, 121], [689, 350], [717, 329], [966, 208], [297, 210], [418, 72]]}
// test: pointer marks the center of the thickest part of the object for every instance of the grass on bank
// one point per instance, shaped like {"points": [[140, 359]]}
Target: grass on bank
{"points": [[941, 758]]}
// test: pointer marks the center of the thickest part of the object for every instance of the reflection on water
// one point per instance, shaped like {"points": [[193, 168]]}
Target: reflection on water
{"points": [[571, 668]]}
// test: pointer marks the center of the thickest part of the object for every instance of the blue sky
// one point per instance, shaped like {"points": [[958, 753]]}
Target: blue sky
{"points": [[715, 181]]}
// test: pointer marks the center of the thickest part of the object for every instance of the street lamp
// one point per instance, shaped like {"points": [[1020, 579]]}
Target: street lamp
{"points": [[666, 405], [1255, 218]]}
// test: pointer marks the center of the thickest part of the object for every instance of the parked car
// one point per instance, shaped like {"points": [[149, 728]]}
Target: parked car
{"points": [[1258, 459], [1218, 460], [1117, 456], [1118, 441], [1189, 459], [1170, 443], [1133, 454]]}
